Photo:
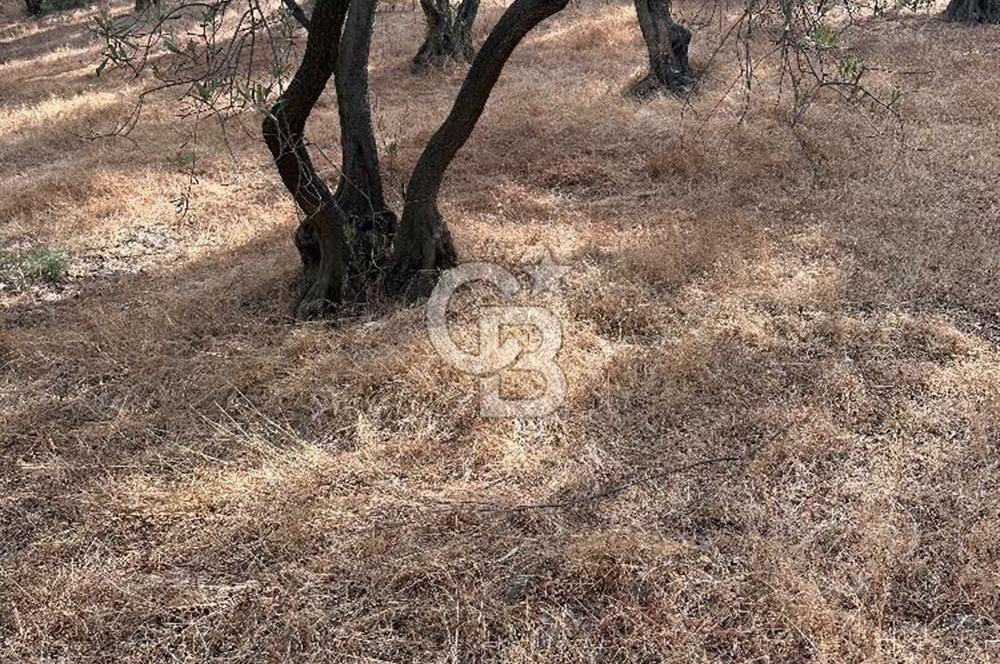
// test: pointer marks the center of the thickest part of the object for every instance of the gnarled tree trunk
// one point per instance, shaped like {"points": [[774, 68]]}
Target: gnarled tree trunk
{"points": [[667, 43], [974, 11], [423, 244], [449, 33], [320, 237], [345, 235], [359, 193]]}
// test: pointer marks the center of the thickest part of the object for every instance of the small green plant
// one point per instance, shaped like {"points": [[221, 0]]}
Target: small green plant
{"points": [[824, 37], [851, 69], [37, 265]]}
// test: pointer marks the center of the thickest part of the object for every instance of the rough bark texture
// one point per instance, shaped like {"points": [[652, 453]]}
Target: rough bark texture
{"points": [[449, 33], [667, 45], [359, 192], [320, 237], [974, 11], [423, 245]]}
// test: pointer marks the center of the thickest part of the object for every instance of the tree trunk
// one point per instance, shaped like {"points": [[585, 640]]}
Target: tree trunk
{"points": [[423, 245], [359, 192], [667, 45], [320, 237], [143, 5], [34, 7], [974, 11], [449, 33]]}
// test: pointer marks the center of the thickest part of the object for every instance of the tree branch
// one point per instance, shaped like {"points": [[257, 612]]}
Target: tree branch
{"points": [[298, 13]]}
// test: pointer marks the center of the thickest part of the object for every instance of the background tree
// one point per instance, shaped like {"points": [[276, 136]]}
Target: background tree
{"points": [[974, 11], [667, 45], [449, 33], [34, 7]]}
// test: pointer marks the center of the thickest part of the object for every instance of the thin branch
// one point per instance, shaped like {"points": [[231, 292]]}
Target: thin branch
{"points": [[575, 501], [297, 12]]}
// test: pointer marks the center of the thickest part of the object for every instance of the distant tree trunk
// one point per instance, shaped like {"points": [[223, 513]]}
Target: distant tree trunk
{"points": [[34, 7], [143, 5], [449, 33], [974, 11], [423, 244], [667, 44], [359, 192], [320, 237]]}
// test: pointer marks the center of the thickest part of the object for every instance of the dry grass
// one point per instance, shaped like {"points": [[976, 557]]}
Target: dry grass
{"points": [[186, 474]]}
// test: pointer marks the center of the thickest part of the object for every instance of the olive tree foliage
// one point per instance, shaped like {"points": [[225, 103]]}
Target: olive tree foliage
{"points": [[807, 44]]}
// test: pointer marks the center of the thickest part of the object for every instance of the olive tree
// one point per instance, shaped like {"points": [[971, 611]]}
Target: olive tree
{"points": [[974, 11], [351, 244]]}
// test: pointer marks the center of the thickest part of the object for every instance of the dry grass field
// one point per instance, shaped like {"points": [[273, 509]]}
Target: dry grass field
{"points": [[188, 474]]}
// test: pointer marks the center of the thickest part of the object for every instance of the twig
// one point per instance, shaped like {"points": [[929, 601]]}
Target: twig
{"points": [[297, 12], [474, 506]]}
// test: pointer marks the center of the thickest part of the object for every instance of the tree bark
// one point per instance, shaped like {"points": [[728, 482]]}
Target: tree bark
{"points": [[320, 237], [359, 192], [667, 44], [974, 11], [423, 244], [449, 33]]}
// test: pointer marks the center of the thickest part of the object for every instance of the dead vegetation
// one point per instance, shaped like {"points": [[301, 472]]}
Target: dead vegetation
{"points": [[186, 473]]}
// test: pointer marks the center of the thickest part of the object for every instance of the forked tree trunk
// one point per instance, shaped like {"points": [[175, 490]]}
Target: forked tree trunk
{"points": [[974, 11], [423, 244], [359, 194], [34, 7], [328, 236], [320, 236], [449, 33], [667, 44]]}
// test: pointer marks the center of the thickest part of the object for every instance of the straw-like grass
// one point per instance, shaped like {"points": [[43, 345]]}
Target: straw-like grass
{"points": [[186, 474]]}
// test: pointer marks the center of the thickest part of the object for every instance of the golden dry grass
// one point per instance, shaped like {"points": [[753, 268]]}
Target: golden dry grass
{"points": [[186, 474]]}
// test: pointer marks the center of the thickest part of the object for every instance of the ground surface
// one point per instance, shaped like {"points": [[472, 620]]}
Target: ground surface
{"points": [[185, 472]]}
